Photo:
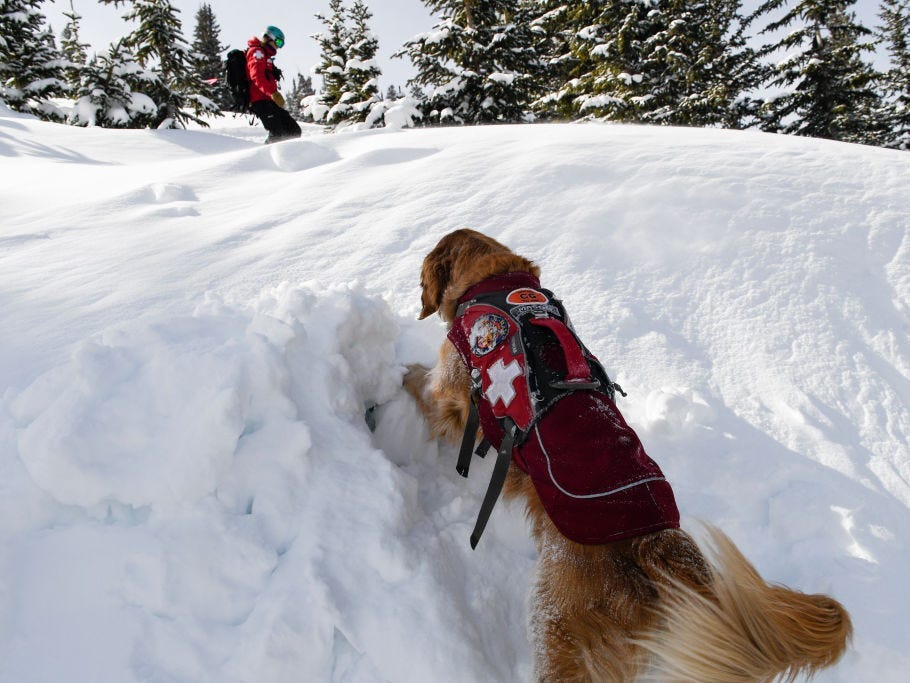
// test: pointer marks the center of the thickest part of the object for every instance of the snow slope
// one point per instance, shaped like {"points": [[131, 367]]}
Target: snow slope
{"points": [[192, 324]]}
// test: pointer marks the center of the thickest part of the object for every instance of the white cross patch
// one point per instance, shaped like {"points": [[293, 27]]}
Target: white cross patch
{"points": [[501, 378]]}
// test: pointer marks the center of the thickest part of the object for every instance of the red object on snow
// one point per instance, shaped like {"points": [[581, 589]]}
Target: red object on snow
{"points": [[259, 69]]}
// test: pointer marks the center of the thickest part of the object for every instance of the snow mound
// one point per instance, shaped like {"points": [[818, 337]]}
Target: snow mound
{"points": [[157, 413], [188, 488], [204, 468]]}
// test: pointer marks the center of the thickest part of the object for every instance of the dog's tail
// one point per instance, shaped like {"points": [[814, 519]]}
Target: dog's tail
{"points": [[742, 629]]}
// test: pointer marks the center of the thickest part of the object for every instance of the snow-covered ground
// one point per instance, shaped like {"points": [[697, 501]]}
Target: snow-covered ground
{"points": [[191, 324]]}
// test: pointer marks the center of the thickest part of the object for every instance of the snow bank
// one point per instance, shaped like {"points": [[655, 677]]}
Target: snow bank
{"points": [[188, 489], [226, 510], [207, 444]]}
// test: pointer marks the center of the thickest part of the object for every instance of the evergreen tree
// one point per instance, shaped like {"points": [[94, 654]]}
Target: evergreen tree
{"points": [[895, 34], [720, 71], [830, 89], [361, 73], [207, 55], [602, 44], [333, 103], [478, 64], [679, 62], [551, 29], [74, 50], [31, 67], [110, 94], [348, 67], [159, 45]]}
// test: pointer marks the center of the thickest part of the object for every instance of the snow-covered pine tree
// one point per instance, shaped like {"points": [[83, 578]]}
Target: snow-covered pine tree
{"points": [[332, 104], [716, 71], [110, 94], [677, 62], [551, 30], [361, 72], [159, 45], [208, 55], [73, 49], [31, 67], [478, 64], [830, 91], [895, 34], [582, 36]]}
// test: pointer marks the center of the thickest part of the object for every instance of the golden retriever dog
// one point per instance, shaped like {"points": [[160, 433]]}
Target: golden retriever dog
{"points": [[649, 605]]}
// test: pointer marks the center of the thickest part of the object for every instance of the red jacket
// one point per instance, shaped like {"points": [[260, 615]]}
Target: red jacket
{"points": [[593, 476], [260, 71]]}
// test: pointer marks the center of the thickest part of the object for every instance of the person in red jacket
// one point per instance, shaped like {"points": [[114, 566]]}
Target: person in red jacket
{"points": [[265, 99]]}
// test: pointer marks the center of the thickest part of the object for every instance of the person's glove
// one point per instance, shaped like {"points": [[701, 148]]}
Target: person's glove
{"points": [[278, 99]]}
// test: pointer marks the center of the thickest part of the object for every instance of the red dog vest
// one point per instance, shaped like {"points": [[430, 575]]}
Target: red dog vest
{"points": [[529, 369]]}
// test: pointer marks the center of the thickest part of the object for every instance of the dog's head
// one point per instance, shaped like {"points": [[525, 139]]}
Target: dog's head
{"points": [[459, 261]]}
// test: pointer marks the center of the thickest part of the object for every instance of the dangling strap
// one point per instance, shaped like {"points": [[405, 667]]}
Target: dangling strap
{"points": [[467, 441], [500, 469]]}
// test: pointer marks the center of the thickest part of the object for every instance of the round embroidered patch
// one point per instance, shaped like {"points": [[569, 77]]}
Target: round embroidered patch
{"points": [[488, 332]]}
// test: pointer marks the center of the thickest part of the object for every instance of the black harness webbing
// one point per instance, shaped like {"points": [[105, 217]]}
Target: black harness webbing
{"points": [[500, 469], [467, 440]]}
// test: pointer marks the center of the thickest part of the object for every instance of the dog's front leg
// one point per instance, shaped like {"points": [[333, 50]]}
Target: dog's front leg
{"points": [[442, 394], [415, 383]]}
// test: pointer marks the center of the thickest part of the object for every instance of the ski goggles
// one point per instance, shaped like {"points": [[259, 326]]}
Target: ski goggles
{"points": [[279, 42]]}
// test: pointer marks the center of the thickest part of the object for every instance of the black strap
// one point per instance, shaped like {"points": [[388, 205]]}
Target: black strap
{"points": [[500, 469], [467, 441]]}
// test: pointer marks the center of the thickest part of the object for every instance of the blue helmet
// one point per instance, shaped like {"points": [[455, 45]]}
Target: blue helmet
{"points": [[275, 34]]}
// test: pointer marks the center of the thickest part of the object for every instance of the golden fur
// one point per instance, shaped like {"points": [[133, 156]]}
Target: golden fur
{"points": [[651, 606]]}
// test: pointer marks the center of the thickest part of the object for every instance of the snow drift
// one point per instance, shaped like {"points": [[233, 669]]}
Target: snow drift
{"points": [[194, 325]]}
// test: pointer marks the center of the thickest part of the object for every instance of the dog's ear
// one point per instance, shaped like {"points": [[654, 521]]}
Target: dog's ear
{"points": [[447, 258], [434, 278]]}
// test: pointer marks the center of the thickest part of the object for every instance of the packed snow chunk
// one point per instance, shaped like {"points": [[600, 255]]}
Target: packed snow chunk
{"points": [[159, 413], [349, 342], [164, 193], [143, 416], [291, 156], [677, 412]]}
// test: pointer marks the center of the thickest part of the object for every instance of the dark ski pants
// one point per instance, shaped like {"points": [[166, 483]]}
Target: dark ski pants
{"points": [[277, 121]]}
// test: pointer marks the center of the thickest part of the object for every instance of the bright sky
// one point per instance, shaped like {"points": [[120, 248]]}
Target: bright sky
{"points": [[394, 21]]}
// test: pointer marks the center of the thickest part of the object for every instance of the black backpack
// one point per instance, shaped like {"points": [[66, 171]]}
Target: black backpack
{"points": [[237, 81]]}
